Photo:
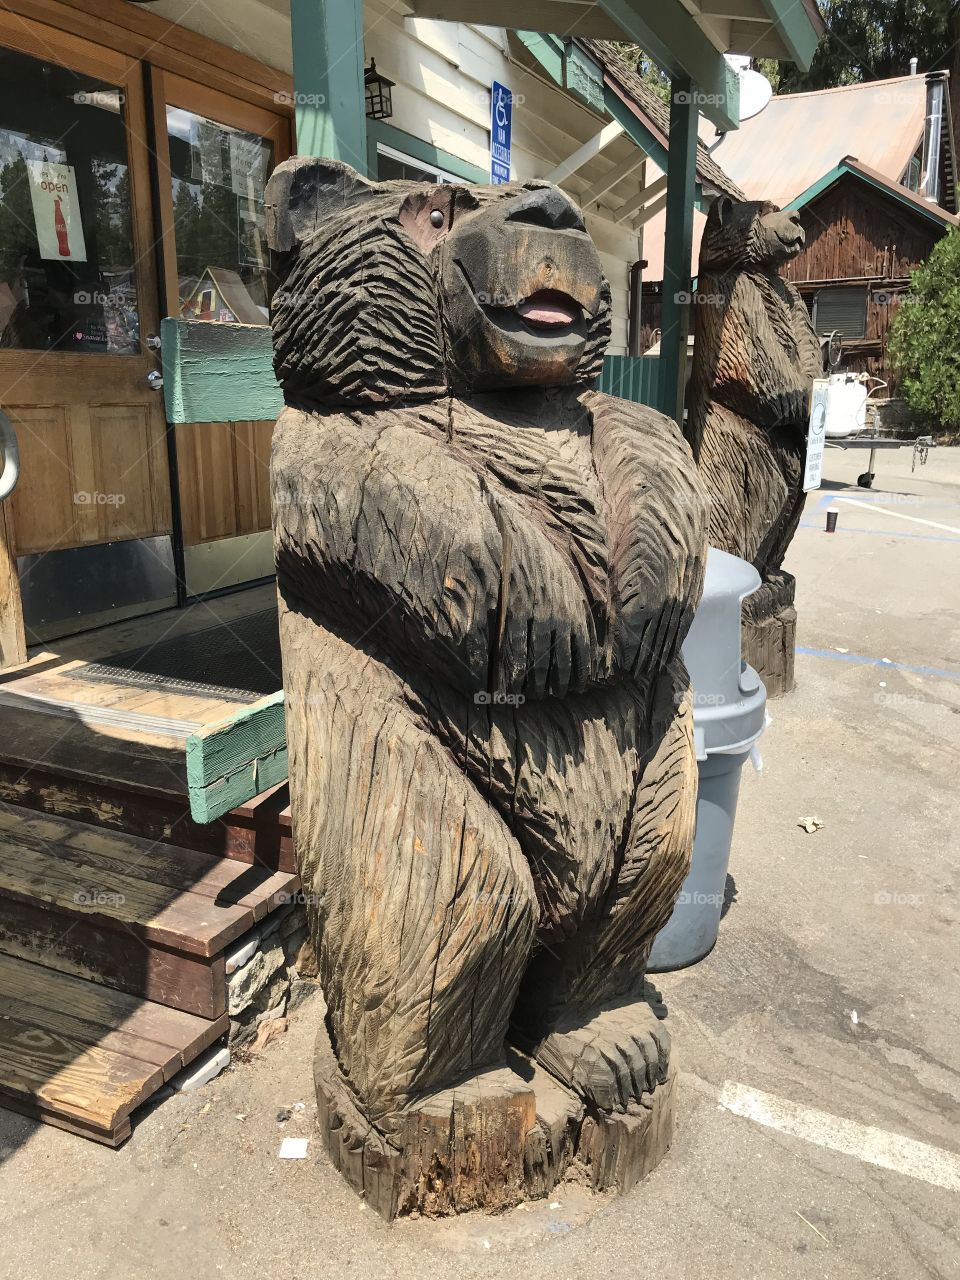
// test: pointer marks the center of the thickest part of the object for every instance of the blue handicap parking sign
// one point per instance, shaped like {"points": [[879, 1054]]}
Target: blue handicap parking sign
{"points": [[501, 123]]}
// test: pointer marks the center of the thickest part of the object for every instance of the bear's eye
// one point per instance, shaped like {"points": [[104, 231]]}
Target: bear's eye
{"points": [[436, 218]]}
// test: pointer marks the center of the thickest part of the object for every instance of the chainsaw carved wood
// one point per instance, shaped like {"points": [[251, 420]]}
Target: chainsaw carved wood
{"points": [[755, 357], [486, 570]]}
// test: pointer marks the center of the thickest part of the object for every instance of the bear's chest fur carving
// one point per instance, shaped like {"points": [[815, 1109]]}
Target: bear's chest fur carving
{"points": [[528, 535]]}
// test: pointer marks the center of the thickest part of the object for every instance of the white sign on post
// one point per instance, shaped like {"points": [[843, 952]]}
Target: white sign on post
{"points": [[816, 436], [56, 211]]}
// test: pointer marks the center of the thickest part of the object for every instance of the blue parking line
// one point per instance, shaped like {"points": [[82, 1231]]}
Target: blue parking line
{"points": [[863, 660]]}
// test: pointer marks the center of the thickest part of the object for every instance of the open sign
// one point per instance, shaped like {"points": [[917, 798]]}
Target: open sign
{"points": [[56, 213]]}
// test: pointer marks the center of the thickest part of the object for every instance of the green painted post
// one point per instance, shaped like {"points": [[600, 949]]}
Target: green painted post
{"points": [[678, 245], [328, 66]]}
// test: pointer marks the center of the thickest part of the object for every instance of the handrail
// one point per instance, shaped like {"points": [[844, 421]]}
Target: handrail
{"points": [[11, 457]]}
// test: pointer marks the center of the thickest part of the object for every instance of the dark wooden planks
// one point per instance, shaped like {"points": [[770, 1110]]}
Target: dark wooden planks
{"points": [[256, 832], [83, 1057], [116, 957], [177, 898]]}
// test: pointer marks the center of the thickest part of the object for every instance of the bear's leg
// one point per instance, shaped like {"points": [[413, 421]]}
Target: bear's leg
{"points": [[582, 1010], [423, 914]]}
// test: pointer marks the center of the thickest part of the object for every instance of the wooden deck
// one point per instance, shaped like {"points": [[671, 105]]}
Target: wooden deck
{"points": [[116, 908]]}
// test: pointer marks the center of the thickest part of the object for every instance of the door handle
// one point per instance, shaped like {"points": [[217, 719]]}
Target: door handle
{"points": [[11, 457]]}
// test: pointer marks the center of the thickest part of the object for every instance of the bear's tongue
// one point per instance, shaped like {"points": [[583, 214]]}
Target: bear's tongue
{"points": [[548, 308]]}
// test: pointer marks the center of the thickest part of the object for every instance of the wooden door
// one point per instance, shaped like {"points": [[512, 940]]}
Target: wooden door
{"points": [[214, 154], [90, 519]]}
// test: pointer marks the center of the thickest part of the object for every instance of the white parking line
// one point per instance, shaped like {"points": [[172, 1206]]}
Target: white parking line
{"points": [[874, 1146], [897, 515]]}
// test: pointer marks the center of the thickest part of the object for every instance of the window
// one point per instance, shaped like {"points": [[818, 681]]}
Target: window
{"points": [[394, 164], [842, 310], [67, 278], [219, 174]]}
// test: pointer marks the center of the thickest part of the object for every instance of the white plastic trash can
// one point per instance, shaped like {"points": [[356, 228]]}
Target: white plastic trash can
{"points": [[729, 710]]}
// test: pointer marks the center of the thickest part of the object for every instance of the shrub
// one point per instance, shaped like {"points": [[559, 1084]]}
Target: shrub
{"points": [[925, 336]]}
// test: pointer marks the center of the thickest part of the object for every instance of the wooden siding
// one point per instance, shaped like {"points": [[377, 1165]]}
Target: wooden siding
{"points": [[857, 236]]}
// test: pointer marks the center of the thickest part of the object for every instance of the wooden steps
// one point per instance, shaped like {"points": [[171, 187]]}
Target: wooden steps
{"points": [[83, 1057], [59, 765], [146, 918]]}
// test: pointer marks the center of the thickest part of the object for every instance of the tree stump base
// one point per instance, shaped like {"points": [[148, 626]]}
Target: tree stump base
{"points": [[507, 1135], [769, 633]]}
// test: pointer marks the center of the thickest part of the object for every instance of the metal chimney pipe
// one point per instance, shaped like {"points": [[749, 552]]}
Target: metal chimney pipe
{"points": [[932, 136], [914, 63]]}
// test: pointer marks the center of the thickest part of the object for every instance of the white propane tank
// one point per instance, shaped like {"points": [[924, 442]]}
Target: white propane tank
{"points": [[846, 405]]}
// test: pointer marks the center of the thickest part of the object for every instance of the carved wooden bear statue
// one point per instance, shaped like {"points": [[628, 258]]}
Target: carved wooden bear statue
{"points": [[755, 357], [486, 570]]}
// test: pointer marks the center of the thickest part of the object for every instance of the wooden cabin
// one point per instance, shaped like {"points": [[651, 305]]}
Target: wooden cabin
{"points": [[864, 236]]}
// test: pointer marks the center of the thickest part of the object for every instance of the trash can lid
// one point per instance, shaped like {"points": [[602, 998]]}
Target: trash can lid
{"points": [[729, 700]]}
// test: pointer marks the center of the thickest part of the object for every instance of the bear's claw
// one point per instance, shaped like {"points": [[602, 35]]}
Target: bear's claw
{"points": [[612, 1060]]}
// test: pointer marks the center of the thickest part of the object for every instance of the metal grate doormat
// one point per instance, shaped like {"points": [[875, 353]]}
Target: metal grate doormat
{"points": [[246, 651]]}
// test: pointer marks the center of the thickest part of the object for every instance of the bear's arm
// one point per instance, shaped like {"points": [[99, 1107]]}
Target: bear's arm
{"points": [[382, 537], [808, 344], [383, 532], [759, 373], [658, 513]]}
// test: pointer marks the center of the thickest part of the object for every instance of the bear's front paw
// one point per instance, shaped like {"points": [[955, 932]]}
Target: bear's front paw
{"points": [[613, 1059]]}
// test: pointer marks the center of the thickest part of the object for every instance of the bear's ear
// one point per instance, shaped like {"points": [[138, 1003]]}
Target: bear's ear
{"points": [[724, 207], [302, 194]]}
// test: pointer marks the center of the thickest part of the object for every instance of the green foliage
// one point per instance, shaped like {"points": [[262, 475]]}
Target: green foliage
{"points": [[645, 67], [874, 40], [925, 336]]}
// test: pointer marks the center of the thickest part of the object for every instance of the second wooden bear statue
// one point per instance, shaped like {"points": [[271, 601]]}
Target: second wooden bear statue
{"points": [[486, 570], [755, 357]]}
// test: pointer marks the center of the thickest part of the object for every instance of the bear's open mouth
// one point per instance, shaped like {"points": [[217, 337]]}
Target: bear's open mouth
{"points": [[793, 244], [549, 309]]}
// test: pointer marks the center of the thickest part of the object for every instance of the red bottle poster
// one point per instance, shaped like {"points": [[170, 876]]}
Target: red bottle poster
{"points": [[53, 190]]}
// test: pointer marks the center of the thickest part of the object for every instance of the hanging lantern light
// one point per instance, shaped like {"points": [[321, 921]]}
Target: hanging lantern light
{"points": [[377, 89]]}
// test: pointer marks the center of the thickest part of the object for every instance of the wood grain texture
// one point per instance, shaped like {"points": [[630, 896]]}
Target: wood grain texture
{"points": [[486, 571], [755, 358]]}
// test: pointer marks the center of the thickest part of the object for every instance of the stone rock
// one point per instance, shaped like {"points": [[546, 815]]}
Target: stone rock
{"points": [[267, 1032], [246, 984], [243, 952]]}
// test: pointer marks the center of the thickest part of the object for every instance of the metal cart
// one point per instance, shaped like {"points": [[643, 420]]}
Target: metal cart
{"points": [[871, 438]]}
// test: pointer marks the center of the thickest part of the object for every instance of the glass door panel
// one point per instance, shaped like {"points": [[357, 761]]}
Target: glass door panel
{"points": [[90, 520], [215, 158]]}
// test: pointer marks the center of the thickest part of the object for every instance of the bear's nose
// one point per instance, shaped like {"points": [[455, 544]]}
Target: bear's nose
{"points": [[546, 207]]}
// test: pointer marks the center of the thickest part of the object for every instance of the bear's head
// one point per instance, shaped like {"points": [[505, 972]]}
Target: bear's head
{"points": [[748, 233], [392, 290]]}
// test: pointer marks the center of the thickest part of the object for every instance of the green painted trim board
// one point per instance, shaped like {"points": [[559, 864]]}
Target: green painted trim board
{"points": [[417, 149], [218, 372], [329, 102], [233, 760]]}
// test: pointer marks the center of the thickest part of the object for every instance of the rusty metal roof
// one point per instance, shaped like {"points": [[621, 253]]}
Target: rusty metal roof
{"points": [[799, 137]]}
